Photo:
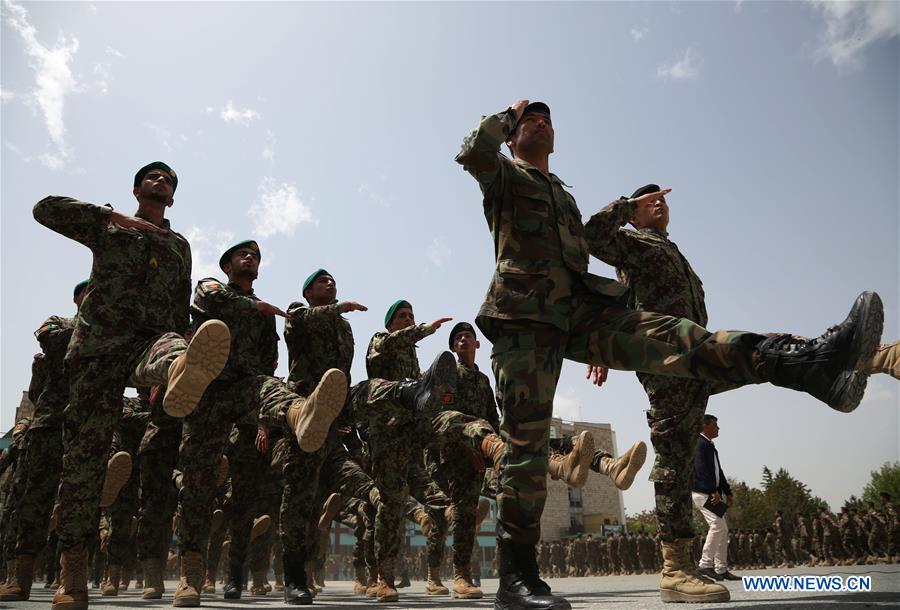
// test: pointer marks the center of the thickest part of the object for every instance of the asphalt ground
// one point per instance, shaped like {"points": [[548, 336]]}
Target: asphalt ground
{"points": [[601, 592]]}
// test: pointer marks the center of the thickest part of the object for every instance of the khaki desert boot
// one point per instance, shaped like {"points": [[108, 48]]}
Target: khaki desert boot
{"points": [[194, 369]]}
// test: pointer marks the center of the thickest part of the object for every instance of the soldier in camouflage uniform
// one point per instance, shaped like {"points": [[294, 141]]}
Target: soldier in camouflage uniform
{"points": [[245, 387], [128, 331], [42, 450], [830, 537], [877, 533], [543, 306], [892, 524], [803, 550]]}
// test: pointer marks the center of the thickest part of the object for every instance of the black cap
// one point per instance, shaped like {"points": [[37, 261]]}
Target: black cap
{"points": [[226, 256], [536, 107], [458, 328], [156, 165], [644, 190]]}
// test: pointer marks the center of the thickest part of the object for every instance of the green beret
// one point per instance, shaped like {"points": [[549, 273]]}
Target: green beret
{"points": [[393, 309], [156, 165], [644, 190], [458, 328], [226, 256], [312, 278], [80, 286]]}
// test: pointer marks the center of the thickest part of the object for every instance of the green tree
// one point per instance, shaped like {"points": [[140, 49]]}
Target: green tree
{"points": [[644, 520], [886, 479]]}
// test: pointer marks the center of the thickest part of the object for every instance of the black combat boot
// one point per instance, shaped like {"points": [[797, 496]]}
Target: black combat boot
{"points": [[435, 388], [521, 587], [296, 591], [826, 367], [235, 583]]}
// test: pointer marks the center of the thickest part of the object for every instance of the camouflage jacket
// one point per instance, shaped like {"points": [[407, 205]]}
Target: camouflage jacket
{"points": [[877, 523], [53, 335], [254, 340], [38, 377], [658, 276], [392, 356], [539, 248], [802, 528], [318, 339], [140, 282], [474, 395]]}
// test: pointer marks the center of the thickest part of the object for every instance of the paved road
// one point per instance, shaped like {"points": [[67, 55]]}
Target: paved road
{"points": [[594, 593]]}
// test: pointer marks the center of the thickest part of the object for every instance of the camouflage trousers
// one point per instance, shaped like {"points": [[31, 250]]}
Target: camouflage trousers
{"points": [[307, 478], [391, 452], [269, 503], [360, 517], [527, 359], [248, 469], [121, 549], [204, 435], [426, 491], [35, 482], [96, 387], [157, 458]]}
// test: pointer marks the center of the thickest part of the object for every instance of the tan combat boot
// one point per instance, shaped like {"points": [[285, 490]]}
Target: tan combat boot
{"points": [[386, 591], [118, 471], [359, 581], [187, 595], [492, 448], [621, 470], [433, 584], [886, 360], [111, 586], [19, 587], [72, 593], [311, 417], [258, 589], [195, 368], [153, 579], [329, 510], [260, 526], [371, 582], [310, 568], [463, 587], [574, 467], [679, 584]]}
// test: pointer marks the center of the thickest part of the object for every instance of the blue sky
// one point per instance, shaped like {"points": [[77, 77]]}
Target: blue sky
{"points": [[327, 132]]}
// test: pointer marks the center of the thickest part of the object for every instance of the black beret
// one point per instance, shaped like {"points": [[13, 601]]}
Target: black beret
{"points": [[156, 165], [458, 328], [226, 256], [538, 107], [80, 286], [644, 190], [393, 309]]}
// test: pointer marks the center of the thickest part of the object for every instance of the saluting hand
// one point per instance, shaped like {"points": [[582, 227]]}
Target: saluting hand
{"points": [[519, 108], [347, 306], [133, 222], [649, 198], [267, 309], [437, 323], [597, 374]]}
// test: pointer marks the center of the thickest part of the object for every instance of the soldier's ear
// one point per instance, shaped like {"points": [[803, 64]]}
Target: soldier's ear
{"points": [[477, 345], [136, 191]]}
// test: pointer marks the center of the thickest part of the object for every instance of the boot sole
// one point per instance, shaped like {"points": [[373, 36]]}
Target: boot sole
{"points": [[261, 527], [636, 459], [669, 596], [443, 380], [153, 595], [585, 455], [847, 392], [76, 605], [330, 395], [117, 474], [456, 595], [514, 604], [205, 358], [14, 597]]}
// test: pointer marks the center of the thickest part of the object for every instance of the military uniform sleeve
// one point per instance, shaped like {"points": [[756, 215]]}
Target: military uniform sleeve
{"points": [[183, 306], [38, 377], [480, 154], [216, 299], [404, 337], [300, 312], [83, 222], [605, 237]]}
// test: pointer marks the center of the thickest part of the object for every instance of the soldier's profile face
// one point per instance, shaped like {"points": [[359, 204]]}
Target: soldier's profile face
{"points": [[322, 291], [465, 342], [403, 318], [244, 263], [534, 131], [157, 185], [652, 215]]}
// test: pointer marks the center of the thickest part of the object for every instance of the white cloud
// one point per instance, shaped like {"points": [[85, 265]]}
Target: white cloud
{"points": [[207, 246], [114, 52], [268, 152], [101, 71], [278, 209], [53, 78], [638, 34], [166, 137], [738, 6], [566, 405], [851, 26], [438, 252], [6, 96], [685, 68], [374, 196], [233, 116]]}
